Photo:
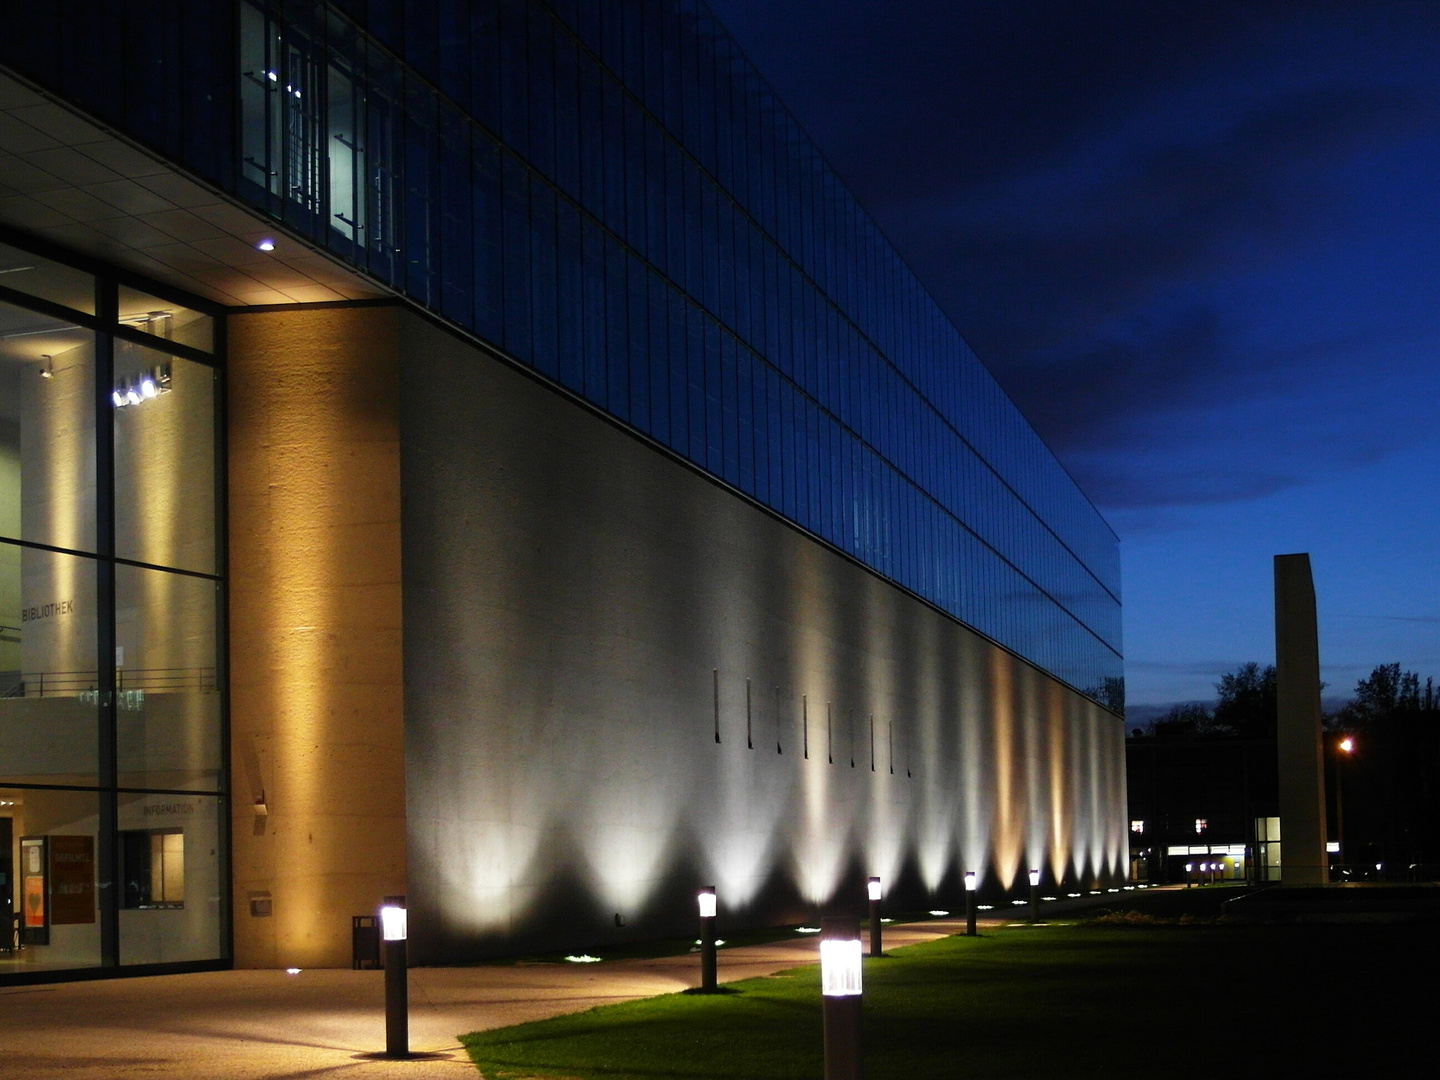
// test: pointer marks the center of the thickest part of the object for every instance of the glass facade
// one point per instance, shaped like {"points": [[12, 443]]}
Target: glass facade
{"points": [[112, 764], [611, 195]]}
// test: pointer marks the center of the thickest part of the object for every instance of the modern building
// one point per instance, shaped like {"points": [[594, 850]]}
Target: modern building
{"points": [[1203, 807], [480, 451]]}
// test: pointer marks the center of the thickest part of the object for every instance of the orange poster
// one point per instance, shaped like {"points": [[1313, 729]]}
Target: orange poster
{"points": [[34, 900]]}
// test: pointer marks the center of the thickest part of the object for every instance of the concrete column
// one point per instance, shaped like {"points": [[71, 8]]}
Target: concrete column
{"points": [[316, 716], [1297, 682]]}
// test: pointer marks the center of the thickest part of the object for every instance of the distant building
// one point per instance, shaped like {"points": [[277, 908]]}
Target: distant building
{"points": [[1195, 801], [482, 452]]}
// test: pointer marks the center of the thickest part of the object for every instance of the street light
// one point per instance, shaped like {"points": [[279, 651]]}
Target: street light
{"points": [[872, 890], [394, 929], [841, 993], [707, 940], [1347, 746], [971, 884], [1034, 896]]}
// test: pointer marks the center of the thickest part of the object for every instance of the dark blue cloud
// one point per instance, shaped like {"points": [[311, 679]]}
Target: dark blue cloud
{"points": [[1196, 243]]}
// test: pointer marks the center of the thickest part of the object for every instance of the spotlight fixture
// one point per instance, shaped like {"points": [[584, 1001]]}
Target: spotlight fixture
{"points": [[137, 388], [47, 369], [265, 245]]}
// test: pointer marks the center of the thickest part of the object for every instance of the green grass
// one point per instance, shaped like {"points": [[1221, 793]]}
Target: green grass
{"points": [[1073, 1001]]}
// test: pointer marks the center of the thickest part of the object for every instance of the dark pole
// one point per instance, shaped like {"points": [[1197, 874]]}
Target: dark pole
{"points": [[1339, 812], [708, 977], [970, 885], [840, 987], [873, 891], [397, 991], [1034, 896]]}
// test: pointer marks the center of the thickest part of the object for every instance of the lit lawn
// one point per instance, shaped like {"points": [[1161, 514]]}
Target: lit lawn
{"points": [[1062, 1001]]}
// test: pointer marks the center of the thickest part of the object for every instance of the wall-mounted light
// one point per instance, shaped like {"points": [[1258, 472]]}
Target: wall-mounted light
{"points": [[143, 387], [47, 369]]}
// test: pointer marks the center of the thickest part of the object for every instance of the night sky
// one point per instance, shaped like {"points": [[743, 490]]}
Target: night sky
{"points": [[1197, 244]]}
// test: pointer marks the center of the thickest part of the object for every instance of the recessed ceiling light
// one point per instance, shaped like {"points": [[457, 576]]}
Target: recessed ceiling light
{"points": [[266, 245]]}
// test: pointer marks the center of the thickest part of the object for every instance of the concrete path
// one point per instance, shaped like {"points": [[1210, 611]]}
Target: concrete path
{"points": [[249, 1025], [239, 1025]]}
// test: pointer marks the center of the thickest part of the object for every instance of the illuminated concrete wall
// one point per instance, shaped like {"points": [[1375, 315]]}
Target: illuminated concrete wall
{"points": [[314, 630], [582, 614]]}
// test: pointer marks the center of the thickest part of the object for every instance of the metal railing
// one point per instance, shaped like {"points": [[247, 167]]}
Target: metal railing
{"points": [[39, 684]]}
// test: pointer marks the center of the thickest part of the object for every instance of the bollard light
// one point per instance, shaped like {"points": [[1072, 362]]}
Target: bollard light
{"points": [[872, 890], [394, 923], [840, 967], [971, 884], [841, 990], [709, 978], [1034, 896], [394, 927]]}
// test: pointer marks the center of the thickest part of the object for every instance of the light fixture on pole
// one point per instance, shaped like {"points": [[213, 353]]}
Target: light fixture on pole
{"points": [[872, 891], [1347, 747], [841, 995], [708, 979], [394, 930], [1034, 896], [971, 884]]}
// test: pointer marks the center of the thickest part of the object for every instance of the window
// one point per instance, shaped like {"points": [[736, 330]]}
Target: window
{"points": [[152, 868]]}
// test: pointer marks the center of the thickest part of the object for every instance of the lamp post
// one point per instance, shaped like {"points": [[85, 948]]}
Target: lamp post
{"points": [[394, 930], [1347, 747], [971, 884], [1034, 896], [1189, 874], [840, 989], [872, 890], [707, 940]]}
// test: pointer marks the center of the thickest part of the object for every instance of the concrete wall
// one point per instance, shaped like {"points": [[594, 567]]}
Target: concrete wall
{"points": [[314, 629], [582, 613]]}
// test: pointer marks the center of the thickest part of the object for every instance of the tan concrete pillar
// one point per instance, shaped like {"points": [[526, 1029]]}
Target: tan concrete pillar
{"points": [[1303, 860], [315, 628]]}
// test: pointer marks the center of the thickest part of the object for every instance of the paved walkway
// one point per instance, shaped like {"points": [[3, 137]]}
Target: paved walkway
{"points": [[239, 1025], [249, 1025]]}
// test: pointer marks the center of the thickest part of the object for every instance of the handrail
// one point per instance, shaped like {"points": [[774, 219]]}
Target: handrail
{"points": [[39, 684]]}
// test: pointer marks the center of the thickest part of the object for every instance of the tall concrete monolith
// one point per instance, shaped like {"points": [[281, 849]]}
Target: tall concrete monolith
{"points": [[1303, 860]]}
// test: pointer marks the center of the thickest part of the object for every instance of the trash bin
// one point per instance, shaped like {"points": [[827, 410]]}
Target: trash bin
{"points": [[364, 942]]}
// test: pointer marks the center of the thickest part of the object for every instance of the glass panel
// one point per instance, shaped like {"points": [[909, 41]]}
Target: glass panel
{"points": [[170, 894], [168, 720], [48, 668], [23, 272], [166, 319], [164, 459], [47, 430], [48, 848]]}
